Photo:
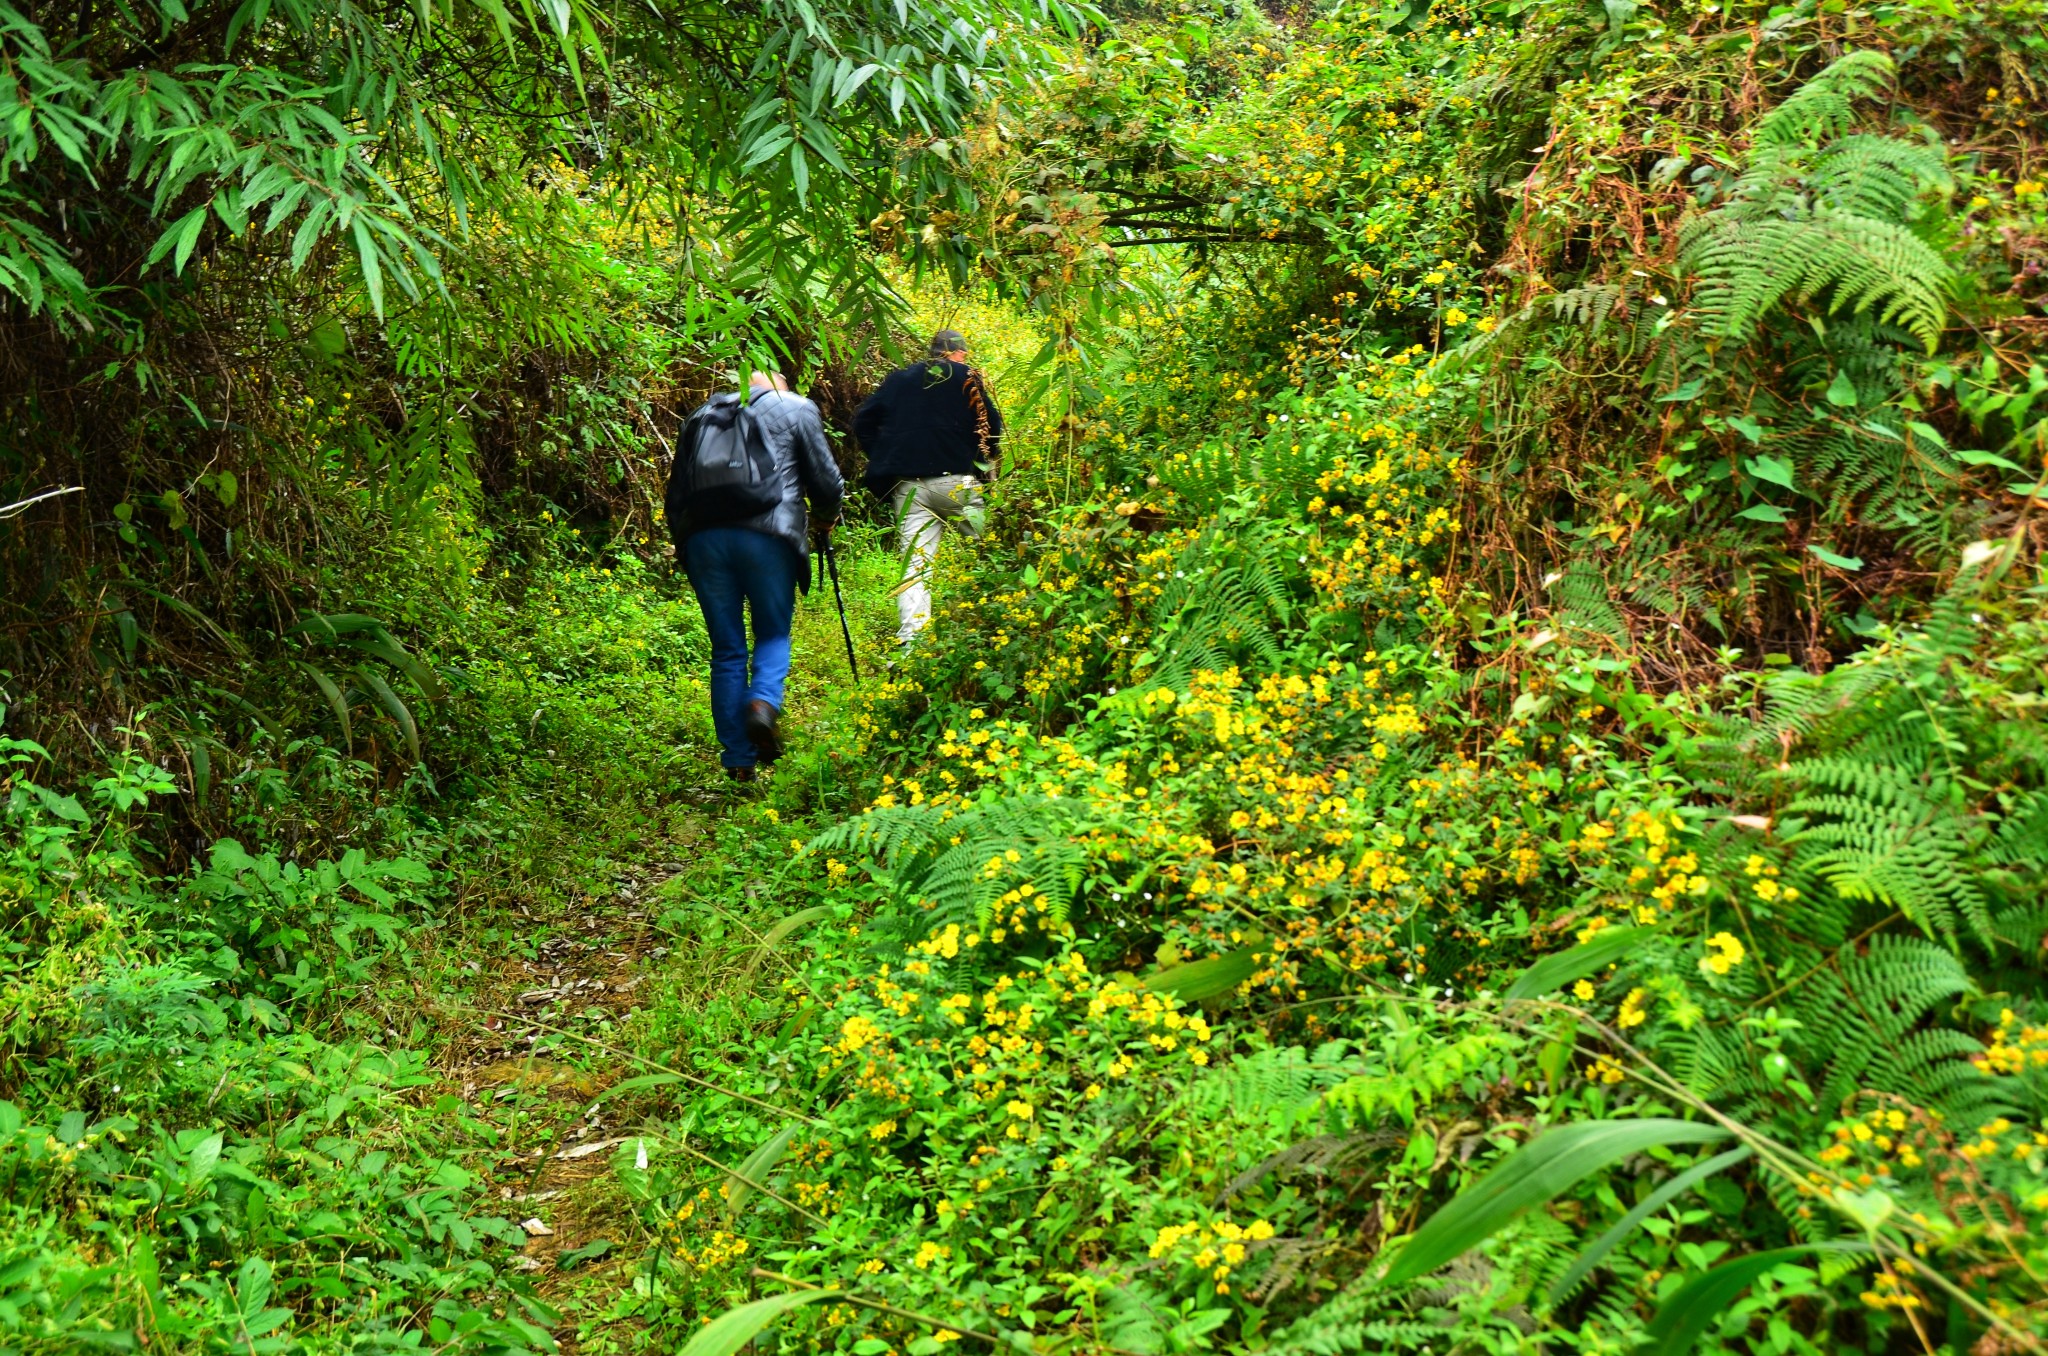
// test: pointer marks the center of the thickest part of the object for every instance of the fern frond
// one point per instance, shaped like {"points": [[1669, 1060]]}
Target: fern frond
{"points": [[1825, 106]]}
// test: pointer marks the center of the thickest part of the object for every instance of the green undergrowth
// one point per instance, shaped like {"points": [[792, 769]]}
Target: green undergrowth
{"points": [[1482, 792], [241, 1109]]}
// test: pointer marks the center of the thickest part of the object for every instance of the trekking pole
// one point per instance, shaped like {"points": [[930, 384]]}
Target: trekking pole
{"points": [[832, 567]]}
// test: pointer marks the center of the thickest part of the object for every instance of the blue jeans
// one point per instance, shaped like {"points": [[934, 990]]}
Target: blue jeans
{"points": [[733, 569]]}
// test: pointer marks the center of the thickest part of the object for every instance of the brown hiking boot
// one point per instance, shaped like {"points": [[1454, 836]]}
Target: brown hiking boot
{"points": [[759, 721], [740, 774]]}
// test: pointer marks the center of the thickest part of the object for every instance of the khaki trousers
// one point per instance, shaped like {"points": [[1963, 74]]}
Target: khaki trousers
{"points": [[925, 509]]}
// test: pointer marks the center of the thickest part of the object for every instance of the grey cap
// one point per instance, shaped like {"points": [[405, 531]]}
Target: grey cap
{"points": [[948, 341]]}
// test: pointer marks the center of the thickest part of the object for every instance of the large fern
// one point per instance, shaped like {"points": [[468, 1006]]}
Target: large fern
{"points": [[955, 862], [1867, 1011], [1820, 214], [1910, 796]]}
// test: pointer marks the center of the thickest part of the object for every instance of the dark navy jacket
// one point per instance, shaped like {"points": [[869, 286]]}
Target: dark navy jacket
{"points": [[927, 420]]}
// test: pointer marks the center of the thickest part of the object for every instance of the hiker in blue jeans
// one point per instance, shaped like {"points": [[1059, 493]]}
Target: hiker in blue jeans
{"points": [[758, 564]]}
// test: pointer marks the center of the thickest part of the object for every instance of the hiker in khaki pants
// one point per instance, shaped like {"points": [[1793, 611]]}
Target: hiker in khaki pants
{"points": [[932, 435]]}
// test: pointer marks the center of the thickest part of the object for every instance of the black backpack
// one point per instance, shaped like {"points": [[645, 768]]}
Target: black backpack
{"points": [[723, 471]]}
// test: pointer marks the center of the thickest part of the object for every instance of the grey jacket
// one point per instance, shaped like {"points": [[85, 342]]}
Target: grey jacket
{"points": [[795, 438]]}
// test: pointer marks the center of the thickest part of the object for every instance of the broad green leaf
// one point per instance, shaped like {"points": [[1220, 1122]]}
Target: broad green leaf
{"points": [[1974, 457], [204, 1157], [1773, 469], [734, 1328], [1869, 1209], [1764, 513], [589, 1252], [62, 806], [1655, 1201], [1554, 972], [1748, 428], [1842, 391], [142, 1265], [202, 768], [1692, 1308], [1210, 978], [1539, 1171], [1840, 562], [1929, 434]]}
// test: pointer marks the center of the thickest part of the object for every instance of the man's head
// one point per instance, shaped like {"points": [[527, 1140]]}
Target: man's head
{"points": [[949, 344], [774, 381]]}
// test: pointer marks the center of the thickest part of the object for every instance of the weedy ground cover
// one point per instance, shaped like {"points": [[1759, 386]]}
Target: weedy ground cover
{"points": [[1482, 792]]}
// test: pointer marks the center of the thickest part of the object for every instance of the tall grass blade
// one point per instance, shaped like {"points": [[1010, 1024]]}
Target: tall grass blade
{"points": [[759, 1164], [1539, 1171], [1212, 977], [1693, 1307], [1655, 1201], [1554, 972], [776, 935], [735, 1328], [337, 703], [397, 708]]}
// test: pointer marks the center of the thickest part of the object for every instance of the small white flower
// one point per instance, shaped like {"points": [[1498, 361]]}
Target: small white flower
{"points": [[640, 1158]]}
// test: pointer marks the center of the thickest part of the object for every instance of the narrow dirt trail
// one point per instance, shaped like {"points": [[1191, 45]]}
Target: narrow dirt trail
{"points": [[545, 1035]]}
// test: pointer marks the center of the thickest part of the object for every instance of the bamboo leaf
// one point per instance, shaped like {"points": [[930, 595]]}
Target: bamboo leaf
{"points": [[1692, 1308], [1554, 972], [734, 1328], [776, 935], [337, 703], [654, 1080], [334, 624], [382, 644], [1537, 1172], [759, 1164], [372, 263], [193, 615], [397, 708], [1655, 1201], [202, 768], [1209, 978]]}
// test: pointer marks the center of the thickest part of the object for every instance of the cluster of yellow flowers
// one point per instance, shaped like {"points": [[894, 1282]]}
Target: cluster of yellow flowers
{"points": [[1385, 519], [2026, 1146], [1889, 1291], [2015, 1047], [1764, 881], [1877, 1133], [1724, 953], [1605, 1070], [1216, 1247], [713, 1251]]}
